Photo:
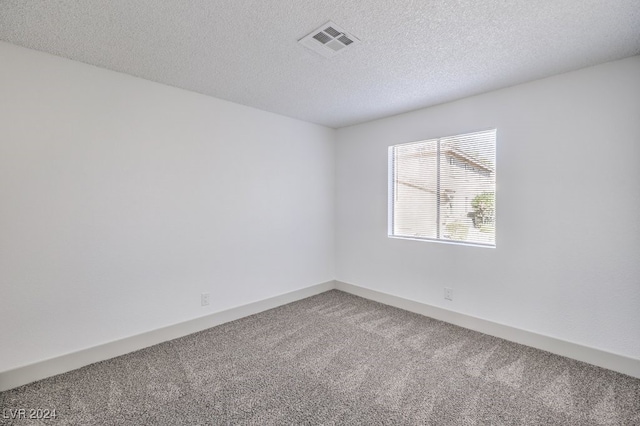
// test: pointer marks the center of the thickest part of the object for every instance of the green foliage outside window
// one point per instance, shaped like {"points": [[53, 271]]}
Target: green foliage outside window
{"points": [[484, 208], [457, 231]]}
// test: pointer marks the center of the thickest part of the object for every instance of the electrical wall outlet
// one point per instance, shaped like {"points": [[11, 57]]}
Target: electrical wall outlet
{"points": [[448, 293], [204, 299]]}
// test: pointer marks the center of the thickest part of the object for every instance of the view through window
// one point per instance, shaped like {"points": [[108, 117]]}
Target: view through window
{"points": [[444, 189]]}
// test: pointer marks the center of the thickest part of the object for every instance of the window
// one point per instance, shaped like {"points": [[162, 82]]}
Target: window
{"points": [[444, 189]]}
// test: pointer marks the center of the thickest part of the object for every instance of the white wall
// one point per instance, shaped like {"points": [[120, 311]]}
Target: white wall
{"points": [[567, 262], [122, 200]]}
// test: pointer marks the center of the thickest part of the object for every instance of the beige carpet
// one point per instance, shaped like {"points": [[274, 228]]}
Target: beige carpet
{"points": [[334, 359]]}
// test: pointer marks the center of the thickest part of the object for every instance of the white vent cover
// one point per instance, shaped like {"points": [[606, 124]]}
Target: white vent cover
{"points": [[328, 40]]}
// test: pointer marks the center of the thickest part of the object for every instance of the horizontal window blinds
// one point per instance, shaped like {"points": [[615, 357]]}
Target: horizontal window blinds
{"points": [[444, 189]]}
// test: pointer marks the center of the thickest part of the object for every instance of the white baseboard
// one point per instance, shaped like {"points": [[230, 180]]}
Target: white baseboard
{"points": [[40, 370], [61, 364], [611, 361]]}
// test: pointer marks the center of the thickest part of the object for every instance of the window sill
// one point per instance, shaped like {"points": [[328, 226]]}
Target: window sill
{"points": [[450, 242]]}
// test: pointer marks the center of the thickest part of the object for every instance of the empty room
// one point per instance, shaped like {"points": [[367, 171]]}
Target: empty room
{"points": [[322, 212]]}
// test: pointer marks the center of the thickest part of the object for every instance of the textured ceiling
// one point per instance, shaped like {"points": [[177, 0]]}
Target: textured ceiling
{"points": [[413, 53]]}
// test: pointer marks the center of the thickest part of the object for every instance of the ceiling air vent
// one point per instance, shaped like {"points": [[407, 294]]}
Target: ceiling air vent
{"points": [[328, 40]]}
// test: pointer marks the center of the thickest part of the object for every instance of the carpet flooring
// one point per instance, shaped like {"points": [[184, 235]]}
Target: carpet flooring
{"points": [[338, 359]]}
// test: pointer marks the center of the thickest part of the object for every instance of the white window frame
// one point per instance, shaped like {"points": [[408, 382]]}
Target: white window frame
{"points": [[392, 189]]}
